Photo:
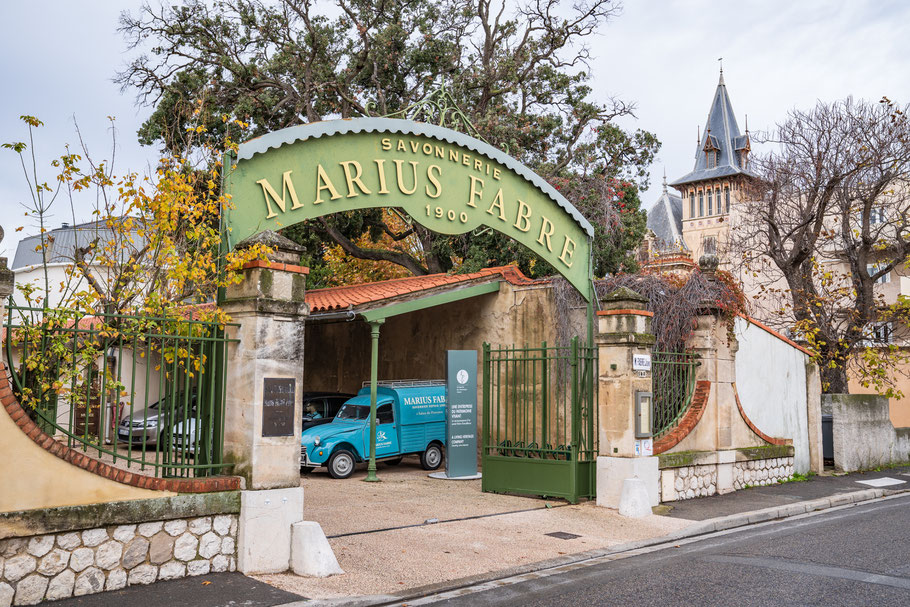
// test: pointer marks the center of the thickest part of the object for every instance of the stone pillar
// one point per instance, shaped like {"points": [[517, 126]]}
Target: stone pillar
{"points": [[623, 330], [714, 342], [269, 307], [814, 417]]}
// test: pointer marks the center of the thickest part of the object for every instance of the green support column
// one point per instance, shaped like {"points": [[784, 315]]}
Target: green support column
{"points": [[374, 380]]}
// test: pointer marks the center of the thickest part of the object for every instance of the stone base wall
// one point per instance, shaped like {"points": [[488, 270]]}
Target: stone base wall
{"points": [[762, 472], [60, 565], [694, 481], [687, 475]]}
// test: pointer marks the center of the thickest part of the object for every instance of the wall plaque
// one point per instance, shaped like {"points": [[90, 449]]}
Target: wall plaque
{"points": [[278, 397]]}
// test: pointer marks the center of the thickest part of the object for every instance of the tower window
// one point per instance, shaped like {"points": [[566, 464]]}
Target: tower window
{"points": [[727, 197], [701, 203], [710, 202], [691, 204], [709, 245], [712, 159]]}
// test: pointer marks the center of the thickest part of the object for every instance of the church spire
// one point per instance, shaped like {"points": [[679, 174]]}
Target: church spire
{"points": [[720, 81]]}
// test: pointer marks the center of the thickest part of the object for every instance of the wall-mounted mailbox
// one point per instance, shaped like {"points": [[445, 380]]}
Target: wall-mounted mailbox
{"points": [[644, 408]]}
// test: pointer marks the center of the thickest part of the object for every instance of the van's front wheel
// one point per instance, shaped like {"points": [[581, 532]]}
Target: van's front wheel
{"points": [[341, 464], [431, 458]]}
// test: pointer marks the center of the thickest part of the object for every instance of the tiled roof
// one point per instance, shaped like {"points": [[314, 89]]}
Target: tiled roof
{"points": [[340, 298], [665, 220]]}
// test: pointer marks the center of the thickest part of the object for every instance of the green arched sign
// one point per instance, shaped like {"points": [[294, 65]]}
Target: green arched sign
{"points": [[447, 181]]}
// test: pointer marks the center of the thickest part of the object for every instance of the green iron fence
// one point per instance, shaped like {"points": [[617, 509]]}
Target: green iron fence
{"points": [[135, 391], [673, 384], [540, 420]]}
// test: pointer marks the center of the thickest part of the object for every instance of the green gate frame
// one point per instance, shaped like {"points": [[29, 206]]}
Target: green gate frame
{"points": [[513, 460]]}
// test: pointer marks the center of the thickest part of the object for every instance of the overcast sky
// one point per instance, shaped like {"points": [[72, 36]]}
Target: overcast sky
{"points": [[57, 59]]}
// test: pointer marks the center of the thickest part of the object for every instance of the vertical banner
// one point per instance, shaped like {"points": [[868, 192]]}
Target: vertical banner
{"points": [[461, 418]]}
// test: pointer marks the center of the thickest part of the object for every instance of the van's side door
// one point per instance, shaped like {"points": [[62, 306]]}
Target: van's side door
{"points": [[386, 433]]}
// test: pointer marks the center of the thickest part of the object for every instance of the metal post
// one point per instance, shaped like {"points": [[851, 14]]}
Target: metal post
{"points": [[374, 380]]}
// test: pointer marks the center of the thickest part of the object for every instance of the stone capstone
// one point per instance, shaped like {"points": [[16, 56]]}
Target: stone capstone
{"points": [[82, 558], [61, 586], [143, 574], [54, 562], [116, 580], [93, 537], [89, 581], [124, 533], [30, 590], [185, 547], [172, 570], [150, 529], [68, 541], [18, 567], [175, 528], [135, 552], [200, 525], [209, 545], [161, 548], [199, 567], [107, 555], [41, 545]]}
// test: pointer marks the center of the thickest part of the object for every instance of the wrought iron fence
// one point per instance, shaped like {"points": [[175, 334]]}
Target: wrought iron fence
{"points": [[134, 391], [673, 384]]}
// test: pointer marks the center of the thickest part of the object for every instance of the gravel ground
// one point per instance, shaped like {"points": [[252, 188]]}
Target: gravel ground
{"points": [[388, 562]]}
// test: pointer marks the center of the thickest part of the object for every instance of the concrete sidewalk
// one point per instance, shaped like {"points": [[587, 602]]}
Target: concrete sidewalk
{"points": [[385, 536]]}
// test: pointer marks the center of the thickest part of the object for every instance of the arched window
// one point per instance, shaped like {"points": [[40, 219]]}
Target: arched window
{"points": [[710, 202], [701, 203]]}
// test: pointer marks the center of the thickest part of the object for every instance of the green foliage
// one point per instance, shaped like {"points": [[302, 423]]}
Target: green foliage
{"points": [[522, 79]]}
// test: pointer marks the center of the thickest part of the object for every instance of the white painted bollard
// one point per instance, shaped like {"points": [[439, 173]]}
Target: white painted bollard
{"points": [[311, 554], [634, 501]]}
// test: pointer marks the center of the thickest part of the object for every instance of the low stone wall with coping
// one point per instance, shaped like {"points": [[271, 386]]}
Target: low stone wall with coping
{"points": [[762, 472], [63, 560], [690, 474]]}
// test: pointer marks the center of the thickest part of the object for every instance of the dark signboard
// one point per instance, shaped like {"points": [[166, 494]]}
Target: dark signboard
{"points": [[461, 418], [278, 396]]}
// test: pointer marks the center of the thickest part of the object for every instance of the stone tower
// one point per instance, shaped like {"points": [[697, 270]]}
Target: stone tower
{"points": [[710, 192]]}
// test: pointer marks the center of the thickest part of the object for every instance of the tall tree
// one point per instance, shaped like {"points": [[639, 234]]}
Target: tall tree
{"points": [[826, 224], [522, 75]]}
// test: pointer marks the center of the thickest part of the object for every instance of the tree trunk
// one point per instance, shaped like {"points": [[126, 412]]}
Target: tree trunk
{"points": [[834, 381]]}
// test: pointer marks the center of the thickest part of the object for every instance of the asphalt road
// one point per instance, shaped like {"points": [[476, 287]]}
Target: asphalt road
{"points": [[857, 555]]}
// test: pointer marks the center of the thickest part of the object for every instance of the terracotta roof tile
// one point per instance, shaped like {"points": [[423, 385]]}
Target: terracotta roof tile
{"points": [[339, 298]]}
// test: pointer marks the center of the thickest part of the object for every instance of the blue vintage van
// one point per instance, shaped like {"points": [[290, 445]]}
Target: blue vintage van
{"points": [[410, 419]]}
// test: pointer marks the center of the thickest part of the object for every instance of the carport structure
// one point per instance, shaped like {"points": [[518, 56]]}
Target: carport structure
{"points": [[440, 300]]}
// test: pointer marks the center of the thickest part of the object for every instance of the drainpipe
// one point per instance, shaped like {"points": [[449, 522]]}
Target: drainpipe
{"points": [[374, 380]]}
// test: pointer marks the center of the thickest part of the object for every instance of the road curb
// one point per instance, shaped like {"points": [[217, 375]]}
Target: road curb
{"points": [[722, 523]]}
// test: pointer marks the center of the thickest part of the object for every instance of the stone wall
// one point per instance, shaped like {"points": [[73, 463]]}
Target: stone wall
{"points": [[692, 474], [694, 481], [762, 472], [863, 434], [74, 563]]}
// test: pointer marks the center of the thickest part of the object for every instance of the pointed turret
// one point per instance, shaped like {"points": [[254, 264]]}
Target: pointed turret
{"points": [[722, 150]]}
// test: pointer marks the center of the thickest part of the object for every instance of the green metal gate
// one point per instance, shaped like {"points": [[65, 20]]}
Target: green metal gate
{"points": [[540, 420]]}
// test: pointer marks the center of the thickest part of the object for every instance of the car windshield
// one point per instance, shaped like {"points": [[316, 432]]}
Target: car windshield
{"points": [[351, 411]]}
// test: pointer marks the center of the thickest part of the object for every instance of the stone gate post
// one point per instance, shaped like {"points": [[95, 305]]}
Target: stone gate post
{"points": [[263, 404], [623, 330]]}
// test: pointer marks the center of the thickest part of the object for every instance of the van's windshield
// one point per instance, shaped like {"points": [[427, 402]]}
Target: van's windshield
{"points": [[351, 411]]}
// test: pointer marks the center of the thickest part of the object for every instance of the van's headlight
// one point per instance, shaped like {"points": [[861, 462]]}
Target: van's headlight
{"points": [[316, 442]]}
